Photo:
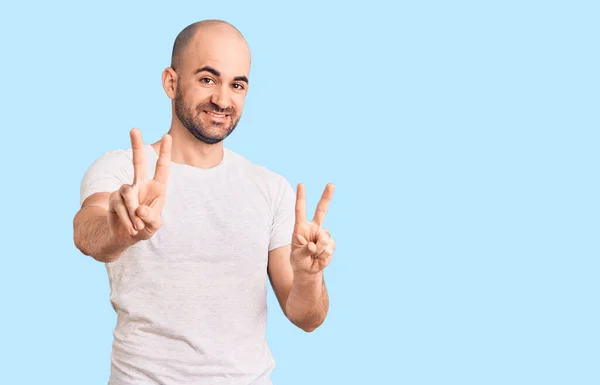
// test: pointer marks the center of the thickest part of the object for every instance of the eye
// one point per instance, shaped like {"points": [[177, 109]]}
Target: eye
{"points": [[238, 86], [206, 80]]}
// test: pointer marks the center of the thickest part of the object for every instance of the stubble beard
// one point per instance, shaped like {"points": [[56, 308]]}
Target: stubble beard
{"points": [[192, 122]]}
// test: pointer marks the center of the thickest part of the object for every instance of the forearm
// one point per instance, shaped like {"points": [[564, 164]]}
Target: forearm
{"points": [[92, 235], [308, 302]]}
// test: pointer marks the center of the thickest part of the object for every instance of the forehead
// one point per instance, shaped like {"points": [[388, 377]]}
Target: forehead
{"points": [[227, 53]]}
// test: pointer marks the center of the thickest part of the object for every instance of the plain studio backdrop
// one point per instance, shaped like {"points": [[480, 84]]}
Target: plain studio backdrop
{"points": [[462, 137]]}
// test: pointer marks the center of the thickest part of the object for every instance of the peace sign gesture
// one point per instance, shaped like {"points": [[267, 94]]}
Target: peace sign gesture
{"points": [[312, 246], [135, 209]]}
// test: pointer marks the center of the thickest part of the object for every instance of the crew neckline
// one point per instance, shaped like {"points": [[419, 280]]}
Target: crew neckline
{"points": [[187, 167]]}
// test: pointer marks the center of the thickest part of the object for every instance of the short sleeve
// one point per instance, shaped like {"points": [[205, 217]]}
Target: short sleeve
{"points": [[284, 215], [107, 174]]}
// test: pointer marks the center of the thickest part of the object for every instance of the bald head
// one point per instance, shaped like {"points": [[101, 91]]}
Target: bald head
{"points": [[200, 32], [208, 79]]}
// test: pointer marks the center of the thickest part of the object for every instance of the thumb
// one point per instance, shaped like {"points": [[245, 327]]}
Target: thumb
{"points": [[150, 216], [306, 248], [143, 212]]}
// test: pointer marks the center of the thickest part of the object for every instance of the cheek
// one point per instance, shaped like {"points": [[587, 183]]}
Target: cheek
{"points": [[239, 103], [196, 95]]}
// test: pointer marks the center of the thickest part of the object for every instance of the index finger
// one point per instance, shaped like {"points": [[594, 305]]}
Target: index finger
{"points": [[323, 204], [161, 172], [139, 159], [300, 204]]}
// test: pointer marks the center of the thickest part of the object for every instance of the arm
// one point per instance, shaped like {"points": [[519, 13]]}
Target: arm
{"points": [[302, 296], [91, 232], [110, 222], [296, 270]]}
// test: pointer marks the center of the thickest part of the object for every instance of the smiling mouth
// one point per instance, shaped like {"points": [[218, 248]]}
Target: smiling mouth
{"points": [[217, 115]]}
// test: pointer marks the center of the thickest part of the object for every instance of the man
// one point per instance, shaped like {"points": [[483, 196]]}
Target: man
{"points": [[190, 232]]}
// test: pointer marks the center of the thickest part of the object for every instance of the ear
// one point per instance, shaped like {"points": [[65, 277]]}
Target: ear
{"points": [[169, 80]]}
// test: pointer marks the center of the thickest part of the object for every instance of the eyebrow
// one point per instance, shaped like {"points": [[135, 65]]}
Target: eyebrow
{"points": [[218, 74], [241, 79]]}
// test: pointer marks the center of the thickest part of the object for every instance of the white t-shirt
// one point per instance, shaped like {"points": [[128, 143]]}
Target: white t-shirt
{"points": [[191, 300]]}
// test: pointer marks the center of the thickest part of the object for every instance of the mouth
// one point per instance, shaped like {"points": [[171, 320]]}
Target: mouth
{"points": [[216, 115]]}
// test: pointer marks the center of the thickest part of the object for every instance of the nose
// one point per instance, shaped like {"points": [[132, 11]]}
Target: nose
{"points": [[221, 97]]}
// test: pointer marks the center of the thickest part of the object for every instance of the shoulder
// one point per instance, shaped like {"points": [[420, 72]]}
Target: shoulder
{"points": [[115, 161], [107, 173], [114, 156]]}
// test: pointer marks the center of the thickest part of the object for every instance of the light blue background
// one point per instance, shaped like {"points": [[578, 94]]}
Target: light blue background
{"points": [[462, 137]]}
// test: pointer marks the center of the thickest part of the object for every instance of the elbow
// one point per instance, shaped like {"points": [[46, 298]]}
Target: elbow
{"points": [[306, 320], [77, 241], [84, 247], [309, 329], [80, 243]]}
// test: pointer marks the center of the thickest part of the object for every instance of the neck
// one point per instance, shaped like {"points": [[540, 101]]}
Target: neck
{"points": [[187, 149]]}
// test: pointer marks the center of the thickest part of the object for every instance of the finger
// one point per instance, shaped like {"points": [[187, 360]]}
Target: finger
{"points": [[309, 249], [151, 217], [301, 240], [322, 241], [300, 204], [331, 240], [139, 158], [117, 204], [130, 198], [323, 204], [161, 173], [326, 254]]}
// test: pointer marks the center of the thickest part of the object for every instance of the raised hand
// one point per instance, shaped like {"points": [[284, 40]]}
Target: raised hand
{"points": [[135, 210], [312, 246]]}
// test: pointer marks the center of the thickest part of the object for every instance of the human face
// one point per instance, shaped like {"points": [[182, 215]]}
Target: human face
{"points": [[210, 96]]}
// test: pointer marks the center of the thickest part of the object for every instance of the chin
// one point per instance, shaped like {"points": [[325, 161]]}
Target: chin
{"points": [[214, 135]]}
